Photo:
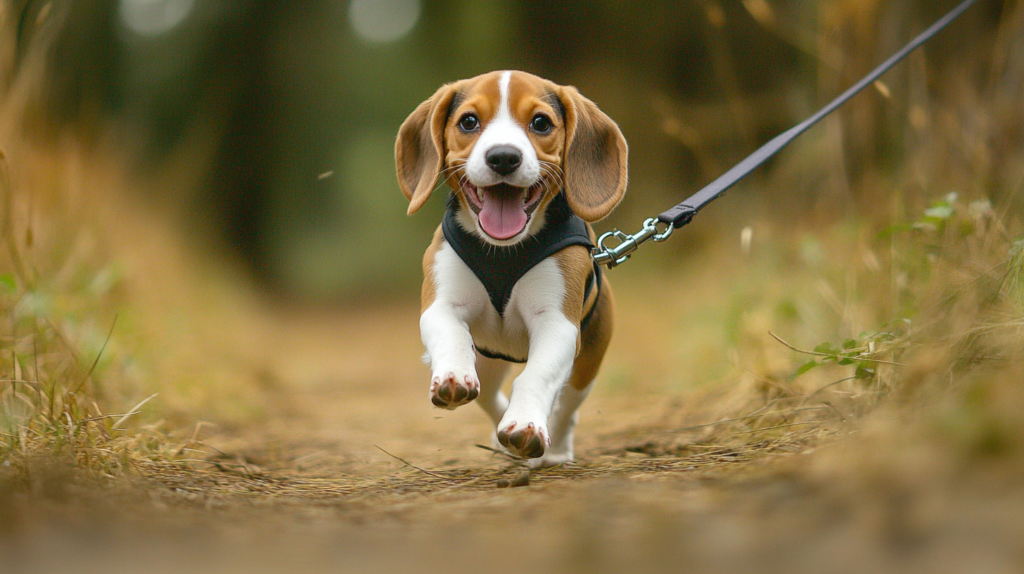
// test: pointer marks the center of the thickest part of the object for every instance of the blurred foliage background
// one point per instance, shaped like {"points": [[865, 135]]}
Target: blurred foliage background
{"points": [[260, 134], [265, 128]]}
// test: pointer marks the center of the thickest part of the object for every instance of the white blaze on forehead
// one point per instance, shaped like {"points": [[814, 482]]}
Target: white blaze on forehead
{"points": [[503, 131], [503, 109]]}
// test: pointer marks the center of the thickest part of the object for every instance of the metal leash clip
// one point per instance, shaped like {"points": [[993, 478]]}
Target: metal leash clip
{"points": [[617, 255]]}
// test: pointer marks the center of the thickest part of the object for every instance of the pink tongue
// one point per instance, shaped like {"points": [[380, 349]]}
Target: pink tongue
{"points": [[503, 214]]}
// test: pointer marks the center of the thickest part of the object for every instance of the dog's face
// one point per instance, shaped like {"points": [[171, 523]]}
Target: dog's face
{"points": [[507, 143]]}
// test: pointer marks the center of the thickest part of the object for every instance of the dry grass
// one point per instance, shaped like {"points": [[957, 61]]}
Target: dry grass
{"points": [[49, 393]]}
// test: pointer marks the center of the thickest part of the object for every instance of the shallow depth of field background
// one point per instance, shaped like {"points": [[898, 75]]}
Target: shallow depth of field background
{"points": [[209, 287], [295, 109]]}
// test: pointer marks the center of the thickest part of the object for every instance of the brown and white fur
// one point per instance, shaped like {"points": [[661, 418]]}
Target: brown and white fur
{"points": [[505, 149]]}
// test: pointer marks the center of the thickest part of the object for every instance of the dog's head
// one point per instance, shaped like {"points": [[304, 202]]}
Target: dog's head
{"points": [[507, 143]]}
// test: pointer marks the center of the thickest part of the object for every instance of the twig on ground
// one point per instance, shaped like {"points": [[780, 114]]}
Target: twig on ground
{"points": [[496, 451], [409, 464], [472, 481]]}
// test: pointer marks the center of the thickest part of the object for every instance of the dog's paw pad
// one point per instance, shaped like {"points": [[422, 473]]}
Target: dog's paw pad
{"points": [[529, 441], [452, 391]]}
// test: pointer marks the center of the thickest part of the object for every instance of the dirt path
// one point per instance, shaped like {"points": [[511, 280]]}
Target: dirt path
{"points": [[309, 490], [352, 385]]}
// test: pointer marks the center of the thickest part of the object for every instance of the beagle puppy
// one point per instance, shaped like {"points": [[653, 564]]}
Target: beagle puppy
{"points": [[509, 275]]}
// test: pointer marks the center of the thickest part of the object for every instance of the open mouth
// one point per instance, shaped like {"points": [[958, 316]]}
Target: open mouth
{"points": [[503, 210]]}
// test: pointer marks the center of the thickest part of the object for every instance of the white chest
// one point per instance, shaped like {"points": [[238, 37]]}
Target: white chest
{"points": [[541, 290]]}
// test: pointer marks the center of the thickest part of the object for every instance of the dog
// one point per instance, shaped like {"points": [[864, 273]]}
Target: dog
{"points": [[508, 277]]}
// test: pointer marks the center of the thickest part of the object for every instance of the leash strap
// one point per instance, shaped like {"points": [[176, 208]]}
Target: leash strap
{"points": [[683, 212]]}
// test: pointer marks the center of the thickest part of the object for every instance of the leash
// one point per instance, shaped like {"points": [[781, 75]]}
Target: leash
{"points": [[684, 212]]}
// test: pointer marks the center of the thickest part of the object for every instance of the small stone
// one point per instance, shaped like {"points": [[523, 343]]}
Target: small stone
{"points": [[503, 483], [521, 479]]}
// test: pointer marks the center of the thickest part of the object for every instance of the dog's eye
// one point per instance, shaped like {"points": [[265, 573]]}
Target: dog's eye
{"points": [[468, 123], [541, 124]]}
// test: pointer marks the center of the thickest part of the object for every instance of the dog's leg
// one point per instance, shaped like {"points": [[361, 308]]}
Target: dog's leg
{"points": [[453, 296], [594, 343], [523, 429], [538, 299], [453, 379], [562, 424]]}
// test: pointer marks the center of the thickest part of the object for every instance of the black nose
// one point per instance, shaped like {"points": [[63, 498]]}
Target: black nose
{"points": [[503, 160]]}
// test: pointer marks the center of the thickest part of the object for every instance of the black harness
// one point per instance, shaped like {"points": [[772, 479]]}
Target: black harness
{"points": [[499, 268]]}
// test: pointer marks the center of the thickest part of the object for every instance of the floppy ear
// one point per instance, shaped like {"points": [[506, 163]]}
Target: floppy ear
{"points": [[595, 158], [419, 150]]}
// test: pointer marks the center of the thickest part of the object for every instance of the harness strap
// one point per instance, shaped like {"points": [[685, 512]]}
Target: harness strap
{"points": [[498, 267], [593, 282]]}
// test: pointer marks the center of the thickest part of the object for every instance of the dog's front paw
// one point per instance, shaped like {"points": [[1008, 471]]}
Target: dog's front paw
{"points": [[527, 441], [453, 390]]}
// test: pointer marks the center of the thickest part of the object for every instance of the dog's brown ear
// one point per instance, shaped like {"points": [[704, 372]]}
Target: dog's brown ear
{"points": [[595, 158], [419, 150]]}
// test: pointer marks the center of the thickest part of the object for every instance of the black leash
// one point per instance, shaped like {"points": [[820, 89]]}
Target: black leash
{"points": [[683, 213]]}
